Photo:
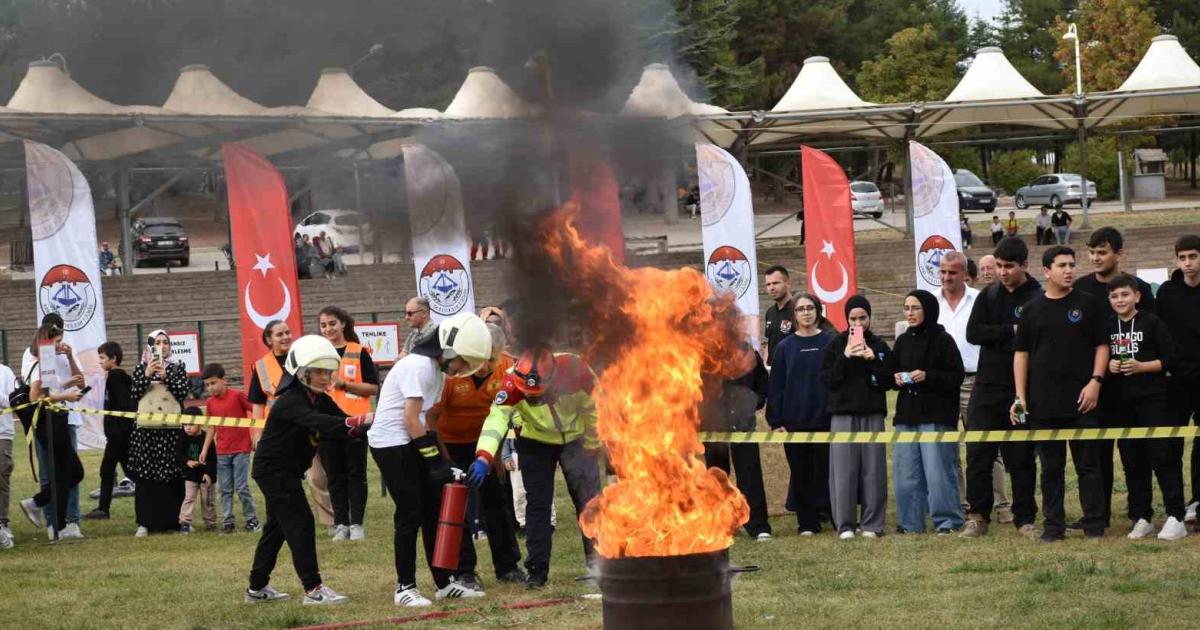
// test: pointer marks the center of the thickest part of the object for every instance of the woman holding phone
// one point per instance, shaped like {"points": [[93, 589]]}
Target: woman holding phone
{"points": [[159, 492], [857, 378]]}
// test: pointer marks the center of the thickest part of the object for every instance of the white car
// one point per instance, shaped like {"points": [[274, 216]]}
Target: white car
{"points": [[347, 228], [866, 199]]}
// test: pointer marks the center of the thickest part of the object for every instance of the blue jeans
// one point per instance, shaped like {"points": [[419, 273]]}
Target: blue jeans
{"points": [[233, 473], [926, 480], [44, 481]]}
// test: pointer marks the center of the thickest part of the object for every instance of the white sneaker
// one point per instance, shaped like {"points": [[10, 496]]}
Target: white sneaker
{"points": [[266, 594], [50, 534], [458, 590], [1172, 530], [1189, 514], [71, 531], [1141, 529], [763, 537], [341, 532], [357, 532], [32, 512], [324, 596], [410, 598], [846, 535], [870, 535], [807, 532], [6, 538], [141, 532]]}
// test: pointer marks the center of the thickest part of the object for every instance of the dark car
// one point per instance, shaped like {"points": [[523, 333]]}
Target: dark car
{"points": [[973, 194], [160, 239]]}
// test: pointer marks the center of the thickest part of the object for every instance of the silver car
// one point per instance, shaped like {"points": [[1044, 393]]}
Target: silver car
{"points": [[1052, 190], [866, 199]]}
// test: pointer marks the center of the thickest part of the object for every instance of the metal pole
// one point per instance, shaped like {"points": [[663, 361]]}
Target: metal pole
{"points": [[908, 186], [126, 230], [4, 344], [1083, 174], [1125, 197], [1192, 158]]}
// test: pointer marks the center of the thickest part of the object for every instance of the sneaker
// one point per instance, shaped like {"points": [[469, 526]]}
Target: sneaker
{"points": [[459, 590], [1004, 515], [871, 535], [265, 594], [973, 528], [535, 582], [1051, 538], [185, 528], [1141, 529], [481, 535], [71, 531], [846, 535], [125, 488], [50, 534], [512, 576], [807, 532], [341, 532], [324, 596], [96, 515], [763, 537], [1173, 529], [141, 532], [357, 532], [253, 526], [228, 528], [1029, 531], [410, 597], [6, 538], [32, 512], [1189, 515]]}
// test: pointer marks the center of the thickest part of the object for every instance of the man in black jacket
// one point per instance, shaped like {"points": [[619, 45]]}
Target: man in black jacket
{"points": [[993, 326], [302, 414], [1179, 308]]}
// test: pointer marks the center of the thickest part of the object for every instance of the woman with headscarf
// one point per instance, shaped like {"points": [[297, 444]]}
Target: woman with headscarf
{"points": [[854, 371], [928, 370], [159, 492]]}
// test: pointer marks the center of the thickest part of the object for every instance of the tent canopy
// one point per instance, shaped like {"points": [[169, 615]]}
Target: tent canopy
{"points": [[337, 93], [658, 95], [1165, 81], [484, 94]]}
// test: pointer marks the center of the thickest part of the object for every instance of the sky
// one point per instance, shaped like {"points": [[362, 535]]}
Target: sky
{"points": [[985, 9]]}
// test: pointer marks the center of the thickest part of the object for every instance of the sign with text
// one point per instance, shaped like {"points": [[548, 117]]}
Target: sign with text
{"points": [[382, 339], [185, 347]]}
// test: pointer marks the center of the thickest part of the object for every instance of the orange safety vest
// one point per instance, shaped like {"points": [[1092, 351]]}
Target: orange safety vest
{"points": [[269, 374], [351, 372]]}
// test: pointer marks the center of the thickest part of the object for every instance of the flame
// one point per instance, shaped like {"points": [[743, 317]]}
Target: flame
{"points": [[662, 330]]}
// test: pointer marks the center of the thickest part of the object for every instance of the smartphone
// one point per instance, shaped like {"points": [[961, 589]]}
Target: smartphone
{"points": [[156, 352], [857, 338], [86, 389]]}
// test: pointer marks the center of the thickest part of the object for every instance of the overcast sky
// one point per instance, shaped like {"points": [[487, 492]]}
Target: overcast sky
{"points": [[986, 9]]}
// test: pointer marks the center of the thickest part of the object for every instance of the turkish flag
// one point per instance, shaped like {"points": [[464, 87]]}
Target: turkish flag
{"points": [[829, 229], [594, 189], [268, 287]]}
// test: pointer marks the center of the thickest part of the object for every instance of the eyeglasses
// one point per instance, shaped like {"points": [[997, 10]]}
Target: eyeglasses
{"points": [[411, 313], [805, 309]]}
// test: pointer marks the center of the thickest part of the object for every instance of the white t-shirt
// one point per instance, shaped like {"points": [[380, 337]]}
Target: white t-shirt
{"points": [[414, 376], [8, 381], [63, 369]]}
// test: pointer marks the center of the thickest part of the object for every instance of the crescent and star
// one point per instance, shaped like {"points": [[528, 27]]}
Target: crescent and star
{"points": [[263, 265], [821, 292]]}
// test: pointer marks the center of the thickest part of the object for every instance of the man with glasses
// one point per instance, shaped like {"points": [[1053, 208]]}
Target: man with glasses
{"points": [[416, 313]]}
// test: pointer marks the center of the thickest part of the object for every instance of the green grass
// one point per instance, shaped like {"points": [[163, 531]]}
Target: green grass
{"points": [[112, 580]]}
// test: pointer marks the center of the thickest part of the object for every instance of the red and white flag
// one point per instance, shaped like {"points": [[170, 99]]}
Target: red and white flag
{"points": [[829, 226], [268, 287]]}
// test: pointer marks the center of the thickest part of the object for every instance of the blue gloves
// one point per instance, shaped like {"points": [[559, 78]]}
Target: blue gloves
{"points": [[480, 468]]}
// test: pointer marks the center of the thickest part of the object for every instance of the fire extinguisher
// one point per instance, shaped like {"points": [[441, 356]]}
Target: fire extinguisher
{"points": [[451, 523]]}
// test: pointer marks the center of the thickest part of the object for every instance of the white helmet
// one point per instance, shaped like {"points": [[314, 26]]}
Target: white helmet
{"points": [[310, 351], [465, 336]]}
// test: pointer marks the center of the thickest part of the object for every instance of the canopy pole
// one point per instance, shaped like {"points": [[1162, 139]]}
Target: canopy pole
{"points": [[1192, 156], [123, 211], [1081, 139], [908, 185]]}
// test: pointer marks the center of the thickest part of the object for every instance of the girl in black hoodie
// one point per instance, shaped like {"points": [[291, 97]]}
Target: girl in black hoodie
{"points": [[928, 370], [857, 379]]}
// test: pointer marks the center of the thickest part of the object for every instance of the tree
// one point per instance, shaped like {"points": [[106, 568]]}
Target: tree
{"points": [[918, 67], [982, 35], [1181, 18], [1114, 35], [1102, 165], [1028, 37], [1012, 169], [705, 34]]}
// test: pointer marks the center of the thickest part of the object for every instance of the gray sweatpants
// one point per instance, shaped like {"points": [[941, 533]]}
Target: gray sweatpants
{"points": [[858, 474]]}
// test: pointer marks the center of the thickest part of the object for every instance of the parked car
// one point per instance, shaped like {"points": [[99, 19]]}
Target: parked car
{"points": [[342, 225], [866, 199], [1054, 189], [160, 238], [973, 194]]}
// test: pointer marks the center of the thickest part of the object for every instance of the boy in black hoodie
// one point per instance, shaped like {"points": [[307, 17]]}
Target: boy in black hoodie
{"points": [[857, 378], [1179, 308], [198, 477], [1135, 395], [117, 397]]}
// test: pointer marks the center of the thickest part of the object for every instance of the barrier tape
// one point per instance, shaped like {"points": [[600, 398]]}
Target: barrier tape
{"points": [[179, 419], [7, 410], [928, 437]]}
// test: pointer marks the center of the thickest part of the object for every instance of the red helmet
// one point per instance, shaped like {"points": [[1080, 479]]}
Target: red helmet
{"points": [[533, 371]]}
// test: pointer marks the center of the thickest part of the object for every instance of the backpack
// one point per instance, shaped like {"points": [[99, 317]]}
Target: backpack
{"points": [[20, 396]]}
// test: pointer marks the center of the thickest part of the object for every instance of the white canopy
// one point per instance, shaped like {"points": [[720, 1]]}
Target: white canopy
{"points": [[484, 95], [337, 93], [1000, 95], [1165, 67], [658, 95]]}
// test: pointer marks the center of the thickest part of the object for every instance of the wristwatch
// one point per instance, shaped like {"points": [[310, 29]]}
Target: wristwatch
{"points": [[1099, 378]]}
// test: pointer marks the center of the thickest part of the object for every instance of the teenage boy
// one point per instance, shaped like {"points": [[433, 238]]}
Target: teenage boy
{"points": [[1060, 359], [1104, 250], [992, 326], [234, 446], [1179, 308], [118, 386], [1135, 395]]}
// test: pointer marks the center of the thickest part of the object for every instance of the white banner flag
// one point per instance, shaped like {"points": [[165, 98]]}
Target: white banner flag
{"points": [[727, 214], [441, 249], [63, 222], [935, 215]]}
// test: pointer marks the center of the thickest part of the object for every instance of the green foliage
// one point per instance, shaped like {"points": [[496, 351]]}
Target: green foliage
{"points": [[1114, 36], [961, 156], [1012, 169], [1102, 165], [918, 67], [1029, 40], [707, 29]]}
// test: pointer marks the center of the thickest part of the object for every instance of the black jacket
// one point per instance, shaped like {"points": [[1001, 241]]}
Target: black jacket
{"points": [[118, 396], [992, 328], [856, 386], [189, 449], [295, 423], [1179, 309], [730, 405], [931, 349]]}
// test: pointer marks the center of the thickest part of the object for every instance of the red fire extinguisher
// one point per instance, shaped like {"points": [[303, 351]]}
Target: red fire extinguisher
{"points": [[451, 523]]}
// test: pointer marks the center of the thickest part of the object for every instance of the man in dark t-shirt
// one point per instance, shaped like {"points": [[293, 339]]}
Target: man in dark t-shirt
{"points": [[779, 321], [1059, 365]]}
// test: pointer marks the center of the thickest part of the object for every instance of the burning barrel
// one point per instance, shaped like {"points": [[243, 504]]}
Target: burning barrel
{"points": [[668, 592]]}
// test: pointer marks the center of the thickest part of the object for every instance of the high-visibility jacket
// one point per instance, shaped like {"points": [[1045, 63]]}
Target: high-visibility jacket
{"points": [[269, 373], [466, 403], [565, 413], [351, 372]]}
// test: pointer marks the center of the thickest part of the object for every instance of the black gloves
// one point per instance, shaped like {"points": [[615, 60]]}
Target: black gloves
{"points": [[438, 467]]}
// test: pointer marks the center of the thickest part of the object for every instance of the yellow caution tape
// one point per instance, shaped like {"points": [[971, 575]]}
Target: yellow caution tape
{"points": [[179, 419], [927, 437], [8, 410]]}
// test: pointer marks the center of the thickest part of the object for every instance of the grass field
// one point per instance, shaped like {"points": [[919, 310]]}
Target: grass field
{"points": [[112, 580]]}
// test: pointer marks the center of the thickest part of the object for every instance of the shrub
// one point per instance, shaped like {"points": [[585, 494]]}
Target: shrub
{"points": [[1012, 169], [1102, 166]]}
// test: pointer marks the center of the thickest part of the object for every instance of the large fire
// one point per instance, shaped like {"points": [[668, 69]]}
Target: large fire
{"points": [[667, 328]]}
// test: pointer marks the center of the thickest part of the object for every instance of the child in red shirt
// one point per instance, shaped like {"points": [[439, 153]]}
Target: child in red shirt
{"points": [[234, 446]]}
